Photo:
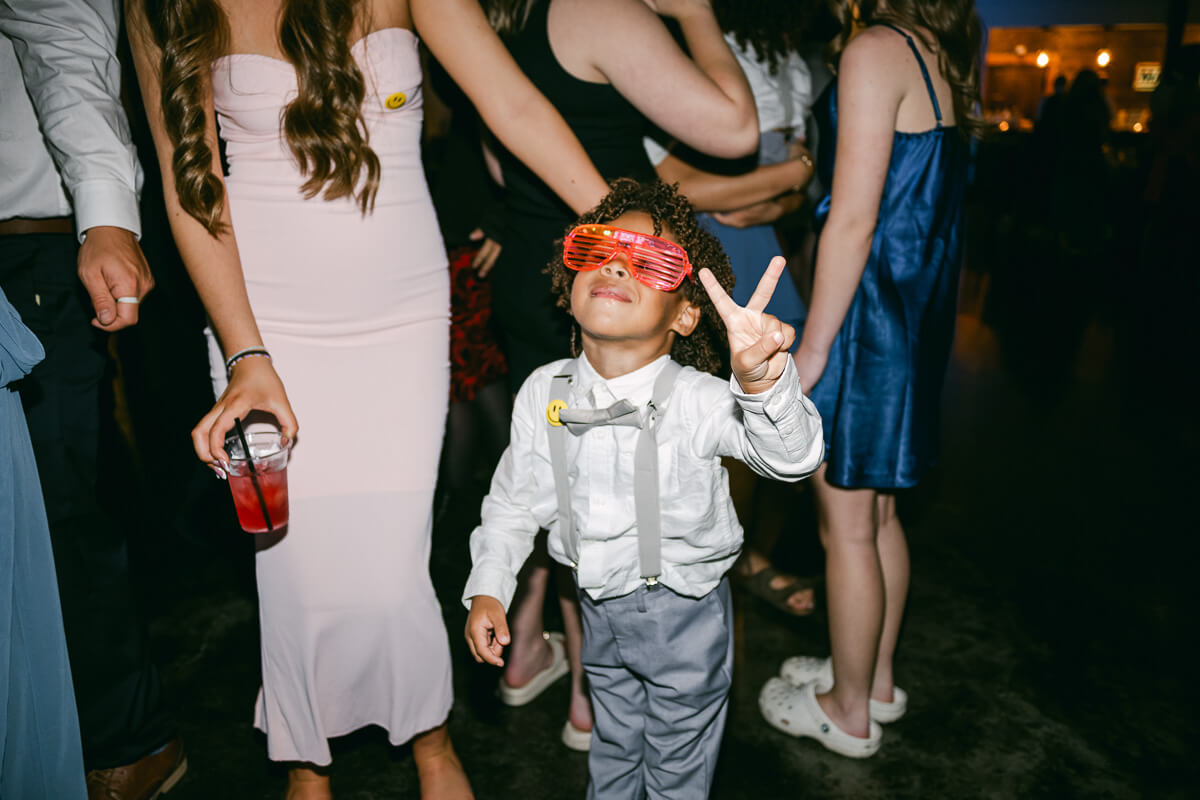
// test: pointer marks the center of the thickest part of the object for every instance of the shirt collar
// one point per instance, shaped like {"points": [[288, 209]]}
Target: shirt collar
{"points": [[636, 386]]}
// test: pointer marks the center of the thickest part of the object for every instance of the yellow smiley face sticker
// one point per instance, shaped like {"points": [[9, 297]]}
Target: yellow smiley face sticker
{"points": [[552, 412], [395, 100]]}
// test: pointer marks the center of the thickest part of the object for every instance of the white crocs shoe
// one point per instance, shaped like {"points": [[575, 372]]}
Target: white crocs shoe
{"points": [[796, 711], [799, 670]]}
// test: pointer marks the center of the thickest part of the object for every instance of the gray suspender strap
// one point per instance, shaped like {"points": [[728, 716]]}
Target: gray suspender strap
{"points": [[560, 390], [645, 481], [645, 484]]}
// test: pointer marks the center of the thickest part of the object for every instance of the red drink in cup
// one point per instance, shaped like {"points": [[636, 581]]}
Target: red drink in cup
{"points": [[261, 497]]}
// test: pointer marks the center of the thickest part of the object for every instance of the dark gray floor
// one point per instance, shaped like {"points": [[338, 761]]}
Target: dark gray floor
{"points": [[1044, 652]]}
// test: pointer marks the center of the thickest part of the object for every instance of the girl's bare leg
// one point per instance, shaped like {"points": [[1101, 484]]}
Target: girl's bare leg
{"points": [[529, 652], [893, 557], [846, 519], [438, 768], [305, 783], [579, 712]]}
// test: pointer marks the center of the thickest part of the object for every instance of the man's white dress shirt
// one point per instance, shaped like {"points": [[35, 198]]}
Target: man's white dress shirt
{"points": [[65, 146], [777, 433]]}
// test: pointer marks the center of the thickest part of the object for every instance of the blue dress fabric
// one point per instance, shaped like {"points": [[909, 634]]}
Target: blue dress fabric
{"points": [[751, 249], [40, 751], [880, 391]]}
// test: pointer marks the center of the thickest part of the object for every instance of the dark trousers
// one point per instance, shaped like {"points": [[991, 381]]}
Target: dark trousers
{"points": [[67, 401]]}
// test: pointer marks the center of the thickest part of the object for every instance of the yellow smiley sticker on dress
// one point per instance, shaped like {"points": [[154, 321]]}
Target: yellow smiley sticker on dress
{"points": [[552, 412], [395, 100]]}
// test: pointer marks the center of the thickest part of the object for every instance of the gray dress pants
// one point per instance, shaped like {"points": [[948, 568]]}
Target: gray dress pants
{"points": [[659, 666]]}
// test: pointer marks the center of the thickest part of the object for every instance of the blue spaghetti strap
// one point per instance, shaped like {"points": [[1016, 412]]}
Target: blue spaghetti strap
{"points": [[937, 109]]}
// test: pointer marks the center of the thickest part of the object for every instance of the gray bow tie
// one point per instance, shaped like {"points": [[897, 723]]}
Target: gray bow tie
{"points": [[580, 420]]}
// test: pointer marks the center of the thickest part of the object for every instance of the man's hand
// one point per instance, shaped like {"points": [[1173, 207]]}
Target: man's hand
{"points": [[758, 342], [762, 213], [487, 630], [111, 266]]}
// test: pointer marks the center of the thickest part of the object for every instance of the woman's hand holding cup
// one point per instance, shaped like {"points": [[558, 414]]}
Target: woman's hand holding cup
{"points": [[253, 386]]}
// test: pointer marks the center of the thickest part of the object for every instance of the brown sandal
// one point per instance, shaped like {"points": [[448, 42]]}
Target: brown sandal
{"points": [[759, 585]]}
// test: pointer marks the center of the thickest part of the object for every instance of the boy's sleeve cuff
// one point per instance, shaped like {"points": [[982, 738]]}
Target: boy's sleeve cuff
{"points": [[496, 582], [775, 402]]}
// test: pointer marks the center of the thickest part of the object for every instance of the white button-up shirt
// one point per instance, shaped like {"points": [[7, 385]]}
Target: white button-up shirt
{"points": [[777, 433], [782, 98], [65, 146]]}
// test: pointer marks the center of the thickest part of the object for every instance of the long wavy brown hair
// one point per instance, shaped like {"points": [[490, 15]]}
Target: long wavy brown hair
{"points": [[949, 28], [772, 28], [508, 16], [323, 125]]}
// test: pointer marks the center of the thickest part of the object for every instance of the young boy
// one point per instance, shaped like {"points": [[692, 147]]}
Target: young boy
{"points": [[618, 454]]}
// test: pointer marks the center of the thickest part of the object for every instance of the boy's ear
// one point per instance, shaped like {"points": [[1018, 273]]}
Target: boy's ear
{"points": [[687, 319]]}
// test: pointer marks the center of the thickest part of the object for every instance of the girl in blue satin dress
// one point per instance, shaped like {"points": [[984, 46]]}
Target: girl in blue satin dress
{"points": [[877, 341]]}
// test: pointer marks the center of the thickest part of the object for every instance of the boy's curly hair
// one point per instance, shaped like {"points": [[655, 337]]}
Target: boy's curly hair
{"points": [[706, 348]]}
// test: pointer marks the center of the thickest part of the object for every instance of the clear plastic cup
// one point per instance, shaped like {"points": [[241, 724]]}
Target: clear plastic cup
{"points": [[261, 497]]}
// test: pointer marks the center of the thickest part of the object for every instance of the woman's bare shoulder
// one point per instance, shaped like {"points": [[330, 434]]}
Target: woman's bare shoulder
{"points": [[876, 44], [877, 55]]}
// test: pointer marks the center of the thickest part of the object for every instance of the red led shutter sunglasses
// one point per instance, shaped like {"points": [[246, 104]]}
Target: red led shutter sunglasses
{"points": [[654, 261]]}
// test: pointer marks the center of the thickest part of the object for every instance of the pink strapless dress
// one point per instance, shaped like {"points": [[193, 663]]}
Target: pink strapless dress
{"points": [[355, 311]]}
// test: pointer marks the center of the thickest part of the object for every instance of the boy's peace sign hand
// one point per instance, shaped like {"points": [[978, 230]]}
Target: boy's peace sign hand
{"points": [[758, 342]]}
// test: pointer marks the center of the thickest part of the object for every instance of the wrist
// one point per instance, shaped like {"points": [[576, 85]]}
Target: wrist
{"points": [[802, 168], [256, 353], [808, 351]]}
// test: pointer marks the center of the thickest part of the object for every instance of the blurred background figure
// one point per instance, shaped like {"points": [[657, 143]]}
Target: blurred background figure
{"points": [[470, 212], [1079, 210]]}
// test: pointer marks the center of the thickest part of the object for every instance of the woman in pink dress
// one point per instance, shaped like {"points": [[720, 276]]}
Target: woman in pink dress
{"points": [[320, 247]]}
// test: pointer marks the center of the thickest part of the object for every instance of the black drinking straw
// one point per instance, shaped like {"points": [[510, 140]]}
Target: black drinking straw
{"points": [[262, 501]]}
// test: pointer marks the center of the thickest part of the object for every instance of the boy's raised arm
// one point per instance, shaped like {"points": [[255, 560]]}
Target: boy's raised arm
{"points": [[758, 341], [778, 432]]}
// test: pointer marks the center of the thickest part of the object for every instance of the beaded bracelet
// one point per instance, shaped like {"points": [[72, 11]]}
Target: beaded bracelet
{"points": [[249, 352]]}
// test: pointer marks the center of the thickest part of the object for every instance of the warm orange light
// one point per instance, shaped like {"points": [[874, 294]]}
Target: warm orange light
{"points": [[1137, 127], [1003, 125], [1103, 57], [1043, 58]]}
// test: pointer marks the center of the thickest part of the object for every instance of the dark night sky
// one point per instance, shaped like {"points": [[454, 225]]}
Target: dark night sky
{"points": [[1022, 13]]}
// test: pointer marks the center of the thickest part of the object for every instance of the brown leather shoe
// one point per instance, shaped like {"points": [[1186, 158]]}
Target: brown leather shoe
{"points": [[144, 779]]}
